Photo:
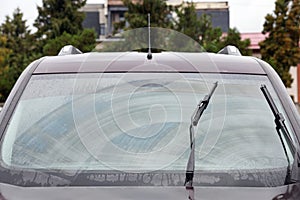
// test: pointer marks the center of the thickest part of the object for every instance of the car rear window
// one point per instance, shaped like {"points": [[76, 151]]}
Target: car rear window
{"points": [[139, 122]]}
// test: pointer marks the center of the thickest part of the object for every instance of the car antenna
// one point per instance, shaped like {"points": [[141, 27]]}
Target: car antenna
{"points": [[149, 56]]}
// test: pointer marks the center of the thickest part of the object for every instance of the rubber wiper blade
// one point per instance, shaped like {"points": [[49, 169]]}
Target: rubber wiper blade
{"points": [[280, 126], [194, 122], [202, 105]]}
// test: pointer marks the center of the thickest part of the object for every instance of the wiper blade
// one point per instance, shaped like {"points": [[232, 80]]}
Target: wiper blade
{"points": [[280, 126], [194, 122], [202, 105]]}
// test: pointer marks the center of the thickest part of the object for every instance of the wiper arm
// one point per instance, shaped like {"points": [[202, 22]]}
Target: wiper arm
{"points": [[280, 126], [194, 121]]}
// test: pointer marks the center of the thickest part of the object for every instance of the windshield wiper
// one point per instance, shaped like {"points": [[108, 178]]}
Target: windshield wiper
{"points": [[280, 126], [194, 122]]}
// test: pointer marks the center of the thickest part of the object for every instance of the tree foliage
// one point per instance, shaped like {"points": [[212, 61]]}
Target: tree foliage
{"points": [[85, 41], [58, 16], [201, 30], [233, 37], [4, 54], [59, 23], [17, 39], [188, 22], [137, 14], [209, 36], [281, 47]]}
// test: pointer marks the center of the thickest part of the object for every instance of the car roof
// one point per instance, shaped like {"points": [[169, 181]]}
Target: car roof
{"points": [[160, 62]]}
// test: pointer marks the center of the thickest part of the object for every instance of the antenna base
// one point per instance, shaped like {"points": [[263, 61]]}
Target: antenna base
{"points": [[149, 56]]}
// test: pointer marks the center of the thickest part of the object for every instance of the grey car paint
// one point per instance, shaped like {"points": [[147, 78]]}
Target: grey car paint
{"points": [[291, 192]]}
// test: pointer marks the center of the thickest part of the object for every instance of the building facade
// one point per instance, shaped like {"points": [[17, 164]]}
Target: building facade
{"points": [[95, 18], [217, 11]]}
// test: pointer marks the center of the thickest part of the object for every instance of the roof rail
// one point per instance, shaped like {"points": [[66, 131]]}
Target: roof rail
{"points": [[69, 50], [230, 50]]}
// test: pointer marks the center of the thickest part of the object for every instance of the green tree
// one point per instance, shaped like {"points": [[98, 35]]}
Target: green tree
{"points": [[85, 41], [59, 23], [4, 52], [199, 29], [20, 43], [188, 22], [58, 16], [137, 14], [233, 37], [281, 47], [18, 40], [4, 82], [209, 36]]}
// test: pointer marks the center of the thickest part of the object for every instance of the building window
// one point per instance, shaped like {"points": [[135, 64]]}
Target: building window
{"points": [[122, 17], [102, 29]]}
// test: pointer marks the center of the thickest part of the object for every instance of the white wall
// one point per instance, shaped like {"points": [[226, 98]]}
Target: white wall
{"points": [[293, 91]]}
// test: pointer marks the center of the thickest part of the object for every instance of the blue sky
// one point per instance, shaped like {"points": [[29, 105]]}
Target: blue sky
{"points": [[245, 15]]}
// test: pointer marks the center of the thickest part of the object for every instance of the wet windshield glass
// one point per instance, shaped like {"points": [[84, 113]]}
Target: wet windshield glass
{"points": [[139, 122]]}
